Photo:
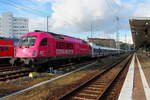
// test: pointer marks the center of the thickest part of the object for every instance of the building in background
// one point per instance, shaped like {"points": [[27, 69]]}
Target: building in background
{"points": [[12, 27], [103, 42]]}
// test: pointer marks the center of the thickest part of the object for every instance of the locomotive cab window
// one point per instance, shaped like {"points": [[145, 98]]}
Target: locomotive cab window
{"points": [[43, 42], [27, 41]]}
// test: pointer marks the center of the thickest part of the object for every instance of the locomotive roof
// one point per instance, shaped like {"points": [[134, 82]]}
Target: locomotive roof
{"points": [[60, 36]]}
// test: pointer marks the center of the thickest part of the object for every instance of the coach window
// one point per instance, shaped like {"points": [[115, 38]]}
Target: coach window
{"points": [[43, 42]]}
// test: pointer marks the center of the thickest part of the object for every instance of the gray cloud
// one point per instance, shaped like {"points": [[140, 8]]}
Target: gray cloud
{"points": [[78, 15]]}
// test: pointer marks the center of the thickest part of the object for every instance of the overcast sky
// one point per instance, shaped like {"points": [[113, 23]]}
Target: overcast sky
{"points": [[75, 17]]}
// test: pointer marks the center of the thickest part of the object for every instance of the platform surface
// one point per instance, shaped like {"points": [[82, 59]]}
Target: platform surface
{"points": [[137, 82]]}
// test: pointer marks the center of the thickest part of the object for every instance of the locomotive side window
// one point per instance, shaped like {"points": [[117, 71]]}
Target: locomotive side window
{"points": [[63, 45], [43, 42]]}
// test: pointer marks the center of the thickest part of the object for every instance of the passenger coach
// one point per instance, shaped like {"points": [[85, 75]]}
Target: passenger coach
{"points": [[6, 50], [100, 51]]}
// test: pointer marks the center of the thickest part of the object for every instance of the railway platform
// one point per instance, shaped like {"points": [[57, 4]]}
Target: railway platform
{"points": [[137, 82]]}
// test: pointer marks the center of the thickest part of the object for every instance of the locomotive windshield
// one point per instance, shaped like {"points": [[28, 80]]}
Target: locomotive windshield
{"points": [[27, 41]]}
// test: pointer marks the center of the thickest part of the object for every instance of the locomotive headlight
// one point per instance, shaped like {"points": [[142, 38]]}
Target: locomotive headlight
{"points": [[34, 53]]}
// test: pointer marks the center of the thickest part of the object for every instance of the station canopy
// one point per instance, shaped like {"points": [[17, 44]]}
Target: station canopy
{"points": [[140, 29]]}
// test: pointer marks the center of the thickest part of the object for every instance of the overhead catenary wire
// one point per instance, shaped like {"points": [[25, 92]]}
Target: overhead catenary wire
{"points": [[109, 4], [23, 8], [29, 7], [121, 25]]}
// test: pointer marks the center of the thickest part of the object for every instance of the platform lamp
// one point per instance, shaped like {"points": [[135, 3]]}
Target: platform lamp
{"points": [[146, 29]]}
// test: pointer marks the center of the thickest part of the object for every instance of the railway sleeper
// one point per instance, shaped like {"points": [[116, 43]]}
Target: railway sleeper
{"points": [[91, 91], [80, 98], [86, 96]]}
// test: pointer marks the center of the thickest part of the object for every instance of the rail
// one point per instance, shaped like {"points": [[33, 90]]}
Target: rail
{"points": [[96, 86]]}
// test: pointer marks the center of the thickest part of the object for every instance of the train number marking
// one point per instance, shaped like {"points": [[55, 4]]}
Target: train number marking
{"points": [[63, 51]]}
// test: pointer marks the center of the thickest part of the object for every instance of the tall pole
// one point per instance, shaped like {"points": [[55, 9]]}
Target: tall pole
{"points": [[126, 47], [47, 23], [117, 34], [91, 30]]}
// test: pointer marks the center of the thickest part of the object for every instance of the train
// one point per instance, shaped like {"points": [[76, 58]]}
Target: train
{"points": [[37, 48], [7, 47], [101, 51], [6, 50]]}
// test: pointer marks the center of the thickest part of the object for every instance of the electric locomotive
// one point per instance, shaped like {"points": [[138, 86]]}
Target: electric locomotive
{"points": [[37, 48]]}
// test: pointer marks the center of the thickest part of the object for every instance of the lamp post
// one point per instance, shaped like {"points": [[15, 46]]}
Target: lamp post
{"points": [[117, 35], [47, 23], [91, 30]]}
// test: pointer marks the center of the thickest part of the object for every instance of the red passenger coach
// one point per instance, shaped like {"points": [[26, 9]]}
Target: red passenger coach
{"points": [[38, 47], [6, 49]]}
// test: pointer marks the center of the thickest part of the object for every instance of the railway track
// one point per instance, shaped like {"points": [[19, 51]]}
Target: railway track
{"points": [[71, 66], [4, 65], [9, 68], [96, 87], [12, 72], [15, 75]]}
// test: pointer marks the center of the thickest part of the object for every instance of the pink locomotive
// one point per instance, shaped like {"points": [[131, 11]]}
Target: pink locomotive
{"points": [[37, 48], [40, 50]]}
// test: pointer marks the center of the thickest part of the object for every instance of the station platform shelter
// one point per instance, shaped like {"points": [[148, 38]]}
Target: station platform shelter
{"points": [[137, 82]]}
